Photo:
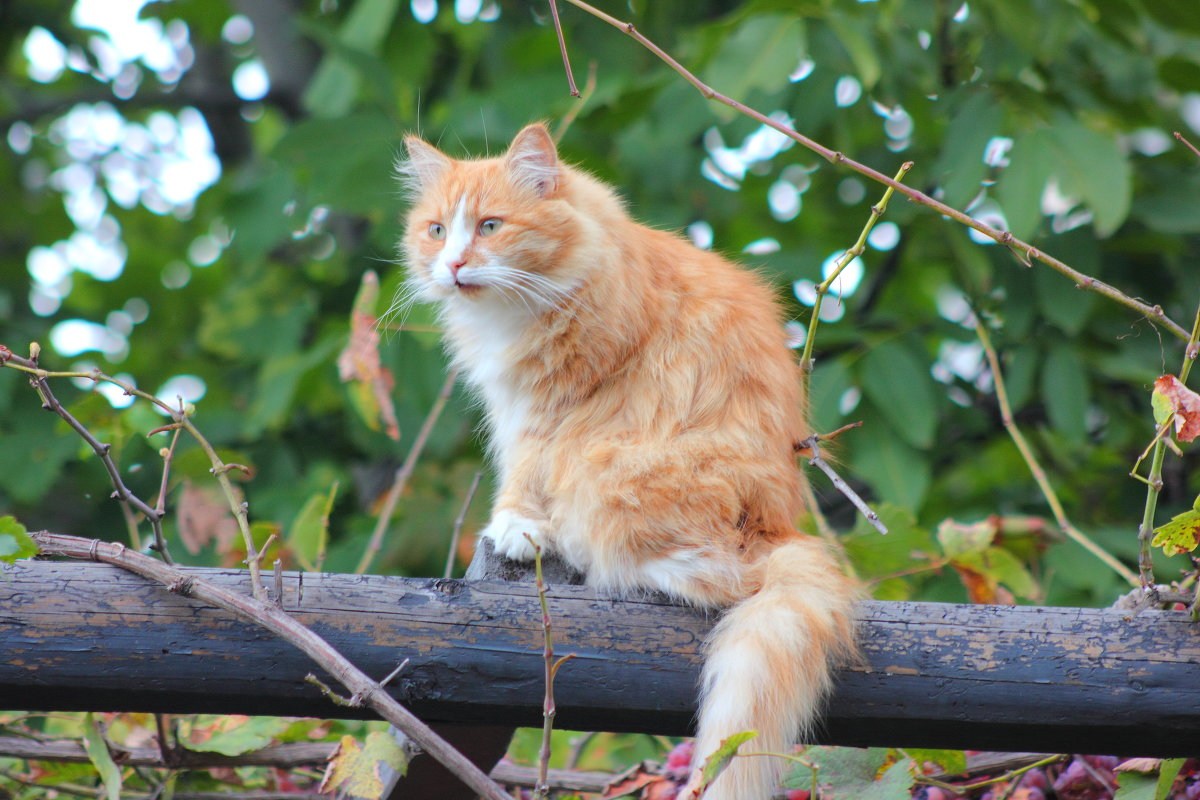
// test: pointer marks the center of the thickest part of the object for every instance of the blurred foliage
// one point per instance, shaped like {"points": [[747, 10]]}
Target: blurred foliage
{"points": [[1060, 128]]}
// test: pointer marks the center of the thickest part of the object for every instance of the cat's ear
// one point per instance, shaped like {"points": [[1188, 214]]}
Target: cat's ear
{"points": [[424, 165], [532, 160]]}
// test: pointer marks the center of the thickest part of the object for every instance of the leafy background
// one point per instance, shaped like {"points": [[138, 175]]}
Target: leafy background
{"points": [[236, 271]]}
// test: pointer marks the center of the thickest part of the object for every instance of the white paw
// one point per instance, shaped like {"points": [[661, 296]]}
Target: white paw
{"points": [[508, 531]]}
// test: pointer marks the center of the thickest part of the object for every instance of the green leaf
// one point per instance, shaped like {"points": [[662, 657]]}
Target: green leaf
{"points": [[101, 758], [1171, 207], [333, 89], [1166, 776], [1065, 392], [899, 473], [1092, 166], [951, 762], [1020, 185], [230, 735], [308, 535], [999, 565], [959, 539], [32, 457], [759, 54], [960, 168], [1059, 299], [874, 555], [847, 773], [853, 34], [15, 542], [278, 381], [1180, 535], [898, 383], [830, 380], [716, 763], [1175, 14], [1136, 786]]}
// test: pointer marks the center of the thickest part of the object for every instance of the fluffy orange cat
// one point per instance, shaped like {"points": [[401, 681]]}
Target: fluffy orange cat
{"points": [[642, 404]]}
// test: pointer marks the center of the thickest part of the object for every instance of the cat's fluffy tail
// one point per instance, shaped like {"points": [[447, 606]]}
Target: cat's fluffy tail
{"points": [[769, 666]]}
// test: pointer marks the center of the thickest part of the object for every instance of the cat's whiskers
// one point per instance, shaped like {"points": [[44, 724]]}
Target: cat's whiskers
{"points": [[524, 285], [396, 314]]}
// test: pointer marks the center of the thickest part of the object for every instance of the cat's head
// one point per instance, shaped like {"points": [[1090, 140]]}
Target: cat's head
{"points": [[493, 230]]}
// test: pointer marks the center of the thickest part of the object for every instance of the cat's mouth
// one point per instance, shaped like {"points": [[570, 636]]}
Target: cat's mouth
{"points": [[469, 289]]}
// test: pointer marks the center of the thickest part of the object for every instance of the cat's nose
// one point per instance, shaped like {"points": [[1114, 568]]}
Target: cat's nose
{"points": [[454, 266]]}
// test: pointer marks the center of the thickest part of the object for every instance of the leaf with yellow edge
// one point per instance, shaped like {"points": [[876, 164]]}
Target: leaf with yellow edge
{"points": [[1180, 535], [359, 771], [716, 763]]}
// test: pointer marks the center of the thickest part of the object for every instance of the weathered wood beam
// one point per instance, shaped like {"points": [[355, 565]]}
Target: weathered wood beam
{"points": [[77, 636]]}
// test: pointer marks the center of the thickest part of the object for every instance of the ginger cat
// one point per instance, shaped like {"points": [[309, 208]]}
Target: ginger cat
{"points": [[642, 404]]}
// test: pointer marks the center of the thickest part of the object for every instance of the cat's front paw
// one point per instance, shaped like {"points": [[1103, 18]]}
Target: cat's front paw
{"points": [[508, 531]]}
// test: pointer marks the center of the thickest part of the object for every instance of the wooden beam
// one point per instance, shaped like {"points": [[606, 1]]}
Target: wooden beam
{"points": [[77, 636]]}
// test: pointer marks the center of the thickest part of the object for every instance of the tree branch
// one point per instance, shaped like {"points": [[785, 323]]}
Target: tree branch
{"points": [[1024, 251]]}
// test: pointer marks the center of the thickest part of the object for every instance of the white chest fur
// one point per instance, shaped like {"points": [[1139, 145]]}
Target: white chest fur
{"points": [[486, 336]]}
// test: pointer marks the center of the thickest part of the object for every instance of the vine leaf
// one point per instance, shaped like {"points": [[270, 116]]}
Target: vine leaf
{"points": [[1181, 534], [1172, 397], [716, 763], [358, 771], [15, 541]]}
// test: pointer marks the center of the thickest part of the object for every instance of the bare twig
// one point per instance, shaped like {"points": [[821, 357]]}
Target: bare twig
{"points": [[267, 615], [812, 448], [1026, 251], [458, 523], [404, 473], [284, 756], [38, 380], [1187, 144], [542, 789], [181, 417], [562, 46], [589, 87], [1035, 468]]}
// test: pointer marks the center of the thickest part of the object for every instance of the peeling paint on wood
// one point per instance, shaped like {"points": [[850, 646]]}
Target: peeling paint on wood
{"points": [[90, 636]]}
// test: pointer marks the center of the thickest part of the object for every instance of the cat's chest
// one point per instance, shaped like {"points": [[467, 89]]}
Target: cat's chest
{"points": [[486, 349]]}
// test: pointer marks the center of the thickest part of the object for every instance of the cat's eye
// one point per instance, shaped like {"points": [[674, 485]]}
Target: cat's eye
{"points": [[489, 226], [437, 230]]}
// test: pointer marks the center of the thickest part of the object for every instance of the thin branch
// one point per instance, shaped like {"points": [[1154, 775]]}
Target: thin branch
{"points": [[589, 88], [1187, 144], [812, 447], [562, 46], [1039, 475], [843, 261], [404, 473], [283, 756], [542, 789], [980, 784], [458, 523], [181, 417], [38, 380], [272, 618], [160, 507], [1024, 250]]}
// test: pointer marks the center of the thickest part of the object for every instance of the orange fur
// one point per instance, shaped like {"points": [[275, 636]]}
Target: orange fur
{"points": [[642, 405]]}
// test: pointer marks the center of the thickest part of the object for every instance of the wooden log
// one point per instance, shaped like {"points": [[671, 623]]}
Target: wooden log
{"points": [[76, 636]]}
